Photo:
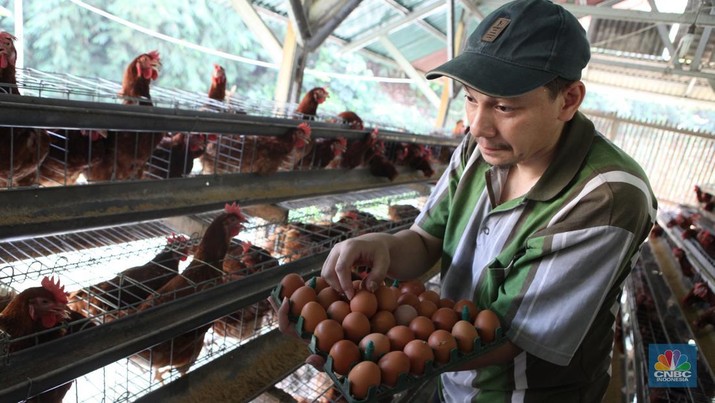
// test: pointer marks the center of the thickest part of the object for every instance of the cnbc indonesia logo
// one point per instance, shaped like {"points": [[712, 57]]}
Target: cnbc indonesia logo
{"points": [[671, 365]]}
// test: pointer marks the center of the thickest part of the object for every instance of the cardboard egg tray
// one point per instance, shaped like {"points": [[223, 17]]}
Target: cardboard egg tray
{"points": [[405, 381]]}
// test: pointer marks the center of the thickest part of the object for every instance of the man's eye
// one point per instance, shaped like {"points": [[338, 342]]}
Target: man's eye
{"points": [[504, 108], [469, 98]]}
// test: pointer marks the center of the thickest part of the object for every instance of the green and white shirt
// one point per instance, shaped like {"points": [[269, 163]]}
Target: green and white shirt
{"points": [[551, 263]]}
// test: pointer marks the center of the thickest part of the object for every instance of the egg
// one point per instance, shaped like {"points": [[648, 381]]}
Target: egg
{"points": [[373, 346], [300, 297], [429, 295], [338, 310], [472, 310], [444, 318], [345, 354], [356, 326], [487, 323], [312, 314], [446, 303], [364, 301], [399, 336], [386, 298], [382, 321], [419, 353], [392, 365], [404, 314], [464, 333], [426, 308], [328, 332], [362, 377], [318, 283], [327, 296], [414, 287], [422, 327], [289, 284], [408, 299], [442, 343]]}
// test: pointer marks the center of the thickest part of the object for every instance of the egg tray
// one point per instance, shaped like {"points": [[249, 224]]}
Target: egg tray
{"points": [[406, 381]]}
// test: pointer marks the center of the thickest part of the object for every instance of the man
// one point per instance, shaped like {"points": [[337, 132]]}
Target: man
{"points": [[538, 217]]}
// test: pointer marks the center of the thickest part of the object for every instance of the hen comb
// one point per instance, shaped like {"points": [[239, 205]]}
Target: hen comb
{"points": [[305, 128], [235, 210], [7, 35], [246, 247], [58, 292], [154, 55]]}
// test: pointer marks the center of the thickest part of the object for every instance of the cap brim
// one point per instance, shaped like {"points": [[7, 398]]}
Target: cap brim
{"points": [[491, 76]]}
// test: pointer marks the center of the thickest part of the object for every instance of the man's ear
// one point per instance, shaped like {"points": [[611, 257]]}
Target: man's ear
{"points": [[573, 95]]}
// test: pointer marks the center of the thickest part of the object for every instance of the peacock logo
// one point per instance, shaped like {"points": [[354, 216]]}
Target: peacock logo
{"points": [[672, 366], [672, 360]]}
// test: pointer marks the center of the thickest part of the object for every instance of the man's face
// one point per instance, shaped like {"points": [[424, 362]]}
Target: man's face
{"points": [[521, 130]]}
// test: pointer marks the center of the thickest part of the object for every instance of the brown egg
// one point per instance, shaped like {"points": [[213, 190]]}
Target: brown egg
{"points": [[471, 309], [345, 354], [420, 353], [290, 283], [386, 299], [382, 322], [442, 343], [364, 301], [429, 295], [446, 303], [328, 332], [404, 314], [399, 336], [487, 323], [318, 283], [312, 313], [445, 318], [338, 310], [422, 327], [414, 287], [392, 365], [380, 346], [426, 308], [300, 297], [465, 333], [408, 299], [362, 377], [356, 326], [327, 296]]}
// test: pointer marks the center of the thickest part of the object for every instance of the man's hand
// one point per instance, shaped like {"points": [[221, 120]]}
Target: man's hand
{"points": [[288, 328]]}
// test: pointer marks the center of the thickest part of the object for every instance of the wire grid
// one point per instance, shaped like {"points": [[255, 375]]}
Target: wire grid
{"points": [[653, 320]]}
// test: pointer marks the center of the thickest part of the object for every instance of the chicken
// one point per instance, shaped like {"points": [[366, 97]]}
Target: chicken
{"points": [[702, 197], [244, 259], [357, 151], [264, 155], [217, 90], [680, 220], [352, 120], [71, 154], [656, 231], [707, 241], [705, 318], [22, 149], [203, 272], [417, 157], [325, 153], [34, 311], [379, 164], [685, 266], [126, 153], [402, 212], [699, 293], [132, 285], [308, 106], [174, 156], [8, 57]]}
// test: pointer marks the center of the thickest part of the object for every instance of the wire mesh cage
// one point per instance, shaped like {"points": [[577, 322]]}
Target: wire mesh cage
{"points": [[113, 273]]}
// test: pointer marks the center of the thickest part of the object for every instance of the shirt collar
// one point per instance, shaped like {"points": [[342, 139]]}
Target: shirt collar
{"points": [[572, 150]]}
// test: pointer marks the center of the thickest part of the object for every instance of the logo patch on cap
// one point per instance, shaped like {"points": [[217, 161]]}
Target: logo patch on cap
{"points": [[497, 27]]}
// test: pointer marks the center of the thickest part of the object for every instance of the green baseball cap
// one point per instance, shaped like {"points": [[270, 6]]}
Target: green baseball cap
{"points": [[519, 47]]}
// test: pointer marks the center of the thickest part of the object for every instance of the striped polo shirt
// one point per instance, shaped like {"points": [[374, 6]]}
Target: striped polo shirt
{"points": [[551, 263]]}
